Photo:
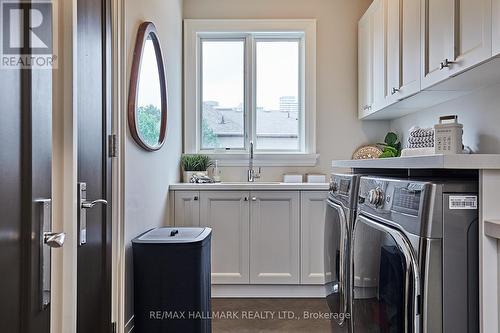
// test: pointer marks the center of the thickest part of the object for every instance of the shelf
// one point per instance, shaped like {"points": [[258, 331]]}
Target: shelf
{"points": [[463, 161], [492, 228]]}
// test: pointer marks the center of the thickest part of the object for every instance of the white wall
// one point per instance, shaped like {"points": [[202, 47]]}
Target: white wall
{"points": [[147, 175], [479, 112], [339, 132]]}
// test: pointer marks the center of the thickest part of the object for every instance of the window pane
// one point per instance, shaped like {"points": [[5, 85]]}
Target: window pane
{"points": [[223, 124], [278, 110]]}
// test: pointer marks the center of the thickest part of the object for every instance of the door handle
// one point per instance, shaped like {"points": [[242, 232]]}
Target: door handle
{"points": [[54, 239], [82, 216], [90, 204], [48, 240]]}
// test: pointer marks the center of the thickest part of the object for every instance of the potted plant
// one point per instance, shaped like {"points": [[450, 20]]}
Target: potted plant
{"points": [[391, 146], [194, 164]]}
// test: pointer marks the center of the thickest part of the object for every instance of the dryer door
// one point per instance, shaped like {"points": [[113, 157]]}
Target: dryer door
{"points": [[385, 280], [336, 261]]}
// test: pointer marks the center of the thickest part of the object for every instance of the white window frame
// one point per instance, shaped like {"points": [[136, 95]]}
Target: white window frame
{"points": [[305, 30]]}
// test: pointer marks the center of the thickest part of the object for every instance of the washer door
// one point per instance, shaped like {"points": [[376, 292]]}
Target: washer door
{"points": [[385, 280], [336, 261]]}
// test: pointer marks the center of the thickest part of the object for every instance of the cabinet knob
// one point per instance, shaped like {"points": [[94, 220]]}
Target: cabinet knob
{"points": [[445, 64], [254, 199], [394, 90], [195, 198], [245, 199]]}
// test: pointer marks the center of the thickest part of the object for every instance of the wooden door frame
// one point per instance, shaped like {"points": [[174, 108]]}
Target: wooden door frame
{"points": [[65, 163]]}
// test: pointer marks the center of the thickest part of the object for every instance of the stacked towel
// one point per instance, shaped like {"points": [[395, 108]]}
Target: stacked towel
{"points": [[421, 138]]}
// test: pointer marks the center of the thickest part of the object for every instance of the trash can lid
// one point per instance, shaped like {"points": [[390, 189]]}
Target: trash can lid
{"points": [[173, 235]]}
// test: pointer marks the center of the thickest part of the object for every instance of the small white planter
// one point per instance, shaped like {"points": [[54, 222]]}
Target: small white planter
{"points": [[186, 175]]}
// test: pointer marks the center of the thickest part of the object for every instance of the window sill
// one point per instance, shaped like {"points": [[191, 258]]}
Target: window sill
{"points": [[266, 159]]}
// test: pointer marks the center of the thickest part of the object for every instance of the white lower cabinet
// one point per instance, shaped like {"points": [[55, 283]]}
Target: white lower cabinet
{"points": [[274, 237], [312, 230], [227, 213], [187, 208], [259, 237]]}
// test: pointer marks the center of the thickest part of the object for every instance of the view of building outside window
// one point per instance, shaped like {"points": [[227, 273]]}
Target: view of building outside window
{"points": [[223, 91], [277, 94]]}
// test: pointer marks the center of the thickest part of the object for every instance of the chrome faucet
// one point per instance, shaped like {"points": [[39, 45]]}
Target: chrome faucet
{"points": [[251, 173]]}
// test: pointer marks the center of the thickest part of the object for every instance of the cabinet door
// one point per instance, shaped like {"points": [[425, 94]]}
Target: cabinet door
{"points": [[496, 27], [439, 35], [379, 55], [457, 33], [187, 208], [274, 237], [473, 33], [227, 213], [403, 49], [365, 66], [312, 230]]}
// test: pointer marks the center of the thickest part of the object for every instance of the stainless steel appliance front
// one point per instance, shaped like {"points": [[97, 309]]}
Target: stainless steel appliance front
{"points": [[340, 213], [415, 257]]}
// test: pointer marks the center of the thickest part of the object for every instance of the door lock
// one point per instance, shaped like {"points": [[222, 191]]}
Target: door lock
{"points": [[83, 206]]}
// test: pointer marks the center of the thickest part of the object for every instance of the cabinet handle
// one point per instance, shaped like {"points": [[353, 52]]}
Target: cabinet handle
{"points": [[254, 199], [394, 90], [245, 199], [446, 64], [195, 198]]}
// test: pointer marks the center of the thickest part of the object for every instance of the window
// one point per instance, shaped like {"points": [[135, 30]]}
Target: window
{"points": [[250, 81], [223, 91]]}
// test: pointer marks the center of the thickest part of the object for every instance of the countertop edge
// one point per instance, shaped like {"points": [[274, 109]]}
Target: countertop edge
{"points": [[253, 186], [459, 161]]}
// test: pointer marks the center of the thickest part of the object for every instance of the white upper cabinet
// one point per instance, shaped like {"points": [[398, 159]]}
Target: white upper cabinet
{"points": [[379, 53], [444, 48], [372, 91], [312, 232], [274, 237], [496, 27], [227, 213], [457, 36], [187, 208], [365, 66], [403, 49]]}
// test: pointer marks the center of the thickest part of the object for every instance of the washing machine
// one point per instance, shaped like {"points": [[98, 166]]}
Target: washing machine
{"points": [[414, 255]]}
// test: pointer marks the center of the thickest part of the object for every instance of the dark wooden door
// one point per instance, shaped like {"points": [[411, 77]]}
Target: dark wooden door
{"points": [[94, 256], [25, 181]]}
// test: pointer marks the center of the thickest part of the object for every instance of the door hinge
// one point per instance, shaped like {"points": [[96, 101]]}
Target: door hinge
{"points": [[112, 146], [113, 327]]}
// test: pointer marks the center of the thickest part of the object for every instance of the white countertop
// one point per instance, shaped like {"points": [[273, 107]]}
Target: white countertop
{"points": [[461, 161], [235, 186]]}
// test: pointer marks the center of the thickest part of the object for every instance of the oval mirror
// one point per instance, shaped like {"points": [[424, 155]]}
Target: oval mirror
{"points": [[147, 101]]}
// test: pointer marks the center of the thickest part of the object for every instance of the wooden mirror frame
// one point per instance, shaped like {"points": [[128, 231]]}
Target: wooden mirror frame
{"points": [[146, 29]]}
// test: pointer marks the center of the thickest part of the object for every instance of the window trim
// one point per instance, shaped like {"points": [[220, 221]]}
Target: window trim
{"points": [[195, 30]]}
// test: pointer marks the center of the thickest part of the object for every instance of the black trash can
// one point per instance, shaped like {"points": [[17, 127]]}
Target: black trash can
{"points": [[172, 280]]}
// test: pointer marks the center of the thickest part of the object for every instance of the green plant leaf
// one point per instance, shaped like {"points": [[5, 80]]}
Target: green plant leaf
{"points": [[391, 138], [387, 154], [391, 149]]}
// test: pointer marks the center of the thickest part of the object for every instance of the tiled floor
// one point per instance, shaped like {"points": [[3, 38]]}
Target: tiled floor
{"points": [[269, 315]]}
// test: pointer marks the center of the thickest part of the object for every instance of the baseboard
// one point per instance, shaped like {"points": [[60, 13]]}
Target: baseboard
{"points": [[129, 326], [268, 291]]}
